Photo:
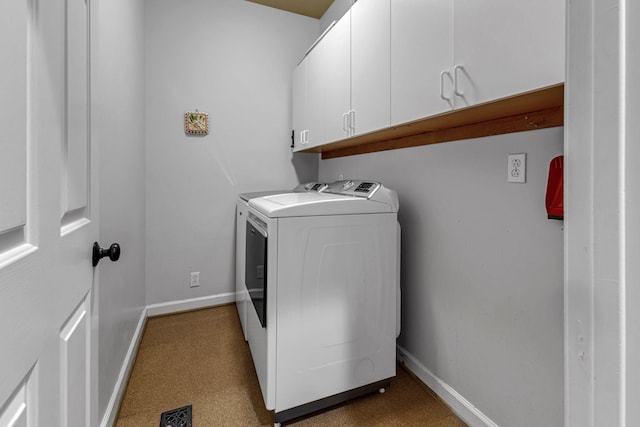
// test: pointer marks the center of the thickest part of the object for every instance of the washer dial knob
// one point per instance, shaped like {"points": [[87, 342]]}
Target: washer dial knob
{"points": [[347, 185]]}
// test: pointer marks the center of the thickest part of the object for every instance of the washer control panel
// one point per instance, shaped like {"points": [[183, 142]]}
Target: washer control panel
{"points": [[353, 187], [311, 186]]}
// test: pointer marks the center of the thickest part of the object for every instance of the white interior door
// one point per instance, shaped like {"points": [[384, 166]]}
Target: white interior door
{"points": [[47, 215]]}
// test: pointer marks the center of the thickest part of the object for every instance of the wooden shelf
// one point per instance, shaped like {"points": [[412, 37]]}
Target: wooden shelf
{"points": [[537, 109]]}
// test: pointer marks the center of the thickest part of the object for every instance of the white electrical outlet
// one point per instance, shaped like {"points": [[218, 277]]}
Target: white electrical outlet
{"points": [[517, 168], [195, 279]]}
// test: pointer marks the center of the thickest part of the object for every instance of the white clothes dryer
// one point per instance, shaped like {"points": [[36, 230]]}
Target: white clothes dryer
{"points": [[242, 206], [322, 276]]}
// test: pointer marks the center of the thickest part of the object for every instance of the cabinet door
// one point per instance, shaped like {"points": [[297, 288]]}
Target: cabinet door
{"points": [[316, 96], [337, 75], [421, 48], [507, 47], [370, 64], [299, 104]]}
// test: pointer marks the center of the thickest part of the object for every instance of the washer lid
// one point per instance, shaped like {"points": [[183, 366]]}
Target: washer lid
{"points": [[309, 186], [318, 204], [248, 196]]}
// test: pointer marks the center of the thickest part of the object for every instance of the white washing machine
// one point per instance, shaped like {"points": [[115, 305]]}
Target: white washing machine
{"points": [[242, 206], [322, 273]]}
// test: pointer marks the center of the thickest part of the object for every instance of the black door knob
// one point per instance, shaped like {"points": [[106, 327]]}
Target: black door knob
{"points": [[98, 253]]}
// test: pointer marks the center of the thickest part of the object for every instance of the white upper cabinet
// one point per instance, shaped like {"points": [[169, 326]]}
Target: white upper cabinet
{"points": [[299, 105], [321, 89], [505, 47], [370, 65], [388, 62], [421, 49], [451, 54], [337, 79], [309, 99], [316, 96], [343, 84]]}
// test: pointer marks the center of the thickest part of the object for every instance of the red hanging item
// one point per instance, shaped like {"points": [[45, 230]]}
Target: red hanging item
{"points": [[555, 192]]}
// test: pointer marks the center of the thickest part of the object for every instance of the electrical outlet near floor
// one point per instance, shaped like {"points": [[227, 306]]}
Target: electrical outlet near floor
{"points": [[195, 279], [517, 168]]}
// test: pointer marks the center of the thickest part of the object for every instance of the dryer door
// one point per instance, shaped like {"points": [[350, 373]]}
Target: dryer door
{"points": [[256, 267]]}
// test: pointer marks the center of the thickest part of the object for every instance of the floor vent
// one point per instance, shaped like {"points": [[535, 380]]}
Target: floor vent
{"points": [[180, 417]]}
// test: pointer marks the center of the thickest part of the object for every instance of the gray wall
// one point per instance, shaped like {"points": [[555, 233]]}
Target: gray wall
{"points": [[119, 128], [232, 59], [482, 269]]}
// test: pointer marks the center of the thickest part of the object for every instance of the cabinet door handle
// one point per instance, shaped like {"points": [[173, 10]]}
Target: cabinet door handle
{"points": [[345, 122], [352, 122], [442, 95], [456, 90]]}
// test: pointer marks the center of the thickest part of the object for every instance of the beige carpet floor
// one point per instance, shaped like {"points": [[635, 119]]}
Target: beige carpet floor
{"points": [[200, 358]]}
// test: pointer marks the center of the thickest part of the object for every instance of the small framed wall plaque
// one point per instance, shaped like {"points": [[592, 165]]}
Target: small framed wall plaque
{"points": [[196, 123]]}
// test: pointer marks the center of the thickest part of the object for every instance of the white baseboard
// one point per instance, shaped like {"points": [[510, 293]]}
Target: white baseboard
{"points": [[111, 412], [458, 404], [189, 304]]}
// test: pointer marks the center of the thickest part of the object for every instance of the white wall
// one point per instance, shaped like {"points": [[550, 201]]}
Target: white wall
{"points": [[232, 59], [482, 269], [119, 128]]}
